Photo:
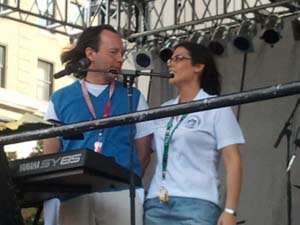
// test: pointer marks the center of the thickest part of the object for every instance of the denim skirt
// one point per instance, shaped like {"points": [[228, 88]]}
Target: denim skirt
{"points": [[180, 211]]}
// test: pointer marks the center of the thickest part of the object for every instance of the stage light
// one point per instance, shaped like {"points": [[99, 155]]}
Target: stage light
{"points": [[272, 28], [219, 40], [143, 60], [296, 28], [167, 48], [291, 6], [200, 38], [244, 36]]}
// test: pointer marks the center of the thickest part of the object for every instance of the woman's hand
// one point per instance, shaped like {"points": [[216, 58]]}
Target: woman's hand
{"points": [[226, 219]]}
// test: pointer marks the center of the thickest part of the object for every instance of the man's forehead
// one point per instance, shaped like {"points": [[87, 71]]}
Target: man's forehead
{"points": [[109, 35], [111, 39]]}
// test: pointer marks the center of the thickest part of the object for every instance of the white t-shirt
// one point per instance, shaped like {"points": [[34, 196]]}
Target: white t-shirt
{"points": [[194, 154], [142, 129]]}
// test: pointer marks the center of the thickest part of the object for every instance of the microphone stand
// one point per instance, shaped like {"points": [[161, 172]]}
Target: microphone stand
{"points": [[286, 131], [10, 212], [128, 80]]}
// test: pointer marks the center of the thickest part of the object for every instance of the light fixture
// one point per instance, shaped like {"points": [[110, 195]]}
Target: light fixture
{"points": [[143, 60], [200, 38], [291, 6], [167, 48], [272, 29], [219, 40], [245, 34], [296, 28]]}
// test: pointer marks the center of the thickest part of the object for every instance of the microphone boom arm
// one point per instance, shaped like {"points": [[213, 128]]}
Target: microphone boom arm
{"points": [[134, 73]]}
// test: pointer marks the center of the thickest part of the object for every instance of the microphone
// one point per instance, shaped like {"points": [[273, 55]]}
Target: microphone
{"points": [[83, 63], [290, 162], [297, 143]]}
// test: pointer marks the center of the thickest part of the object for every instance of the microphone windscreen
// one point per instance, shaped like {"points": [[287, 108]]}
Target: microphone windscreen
{"points": [[78, 69], [84, 63]]}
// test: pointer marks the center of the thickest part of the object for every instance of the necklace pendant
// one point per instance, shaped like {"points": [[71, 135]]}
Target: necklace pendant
{"points": [[163, 195]]}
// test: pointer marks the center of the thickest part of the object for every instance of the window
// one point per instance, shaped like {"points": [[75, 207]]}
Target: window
{"points": [[44, 80], [2, 65]]}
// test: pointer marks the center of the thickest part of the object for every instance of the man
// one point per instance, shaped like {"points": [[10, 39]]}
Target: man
{"points": [[96, 96]]}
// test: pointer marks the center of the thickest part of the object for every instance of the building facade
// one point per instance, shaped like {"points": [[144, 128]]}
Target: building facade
{"points": [[28, 58]]}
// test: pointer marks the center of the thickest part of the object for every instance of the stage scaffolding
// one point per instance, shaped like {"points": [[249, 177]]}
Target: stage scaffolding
{"points": [[142, 21]]}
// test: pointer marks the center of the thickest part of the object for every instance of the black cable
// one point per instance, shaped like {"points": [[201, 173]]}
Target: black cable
{"points": [[149, 87], [242, 83]]}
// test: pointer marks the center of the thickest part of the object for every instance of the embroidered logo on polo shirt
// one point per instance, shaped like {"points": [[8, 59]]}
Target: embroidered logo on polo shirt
{"points": [[192, 121]]}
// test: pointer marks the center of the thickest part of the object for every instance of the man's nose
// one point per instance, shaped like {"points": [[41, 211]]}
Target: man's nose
{"points": [[120, 57]]}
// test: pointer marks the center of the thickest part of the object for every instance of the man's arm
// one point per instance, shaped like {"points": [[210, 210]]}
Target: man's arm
{"points": [[51, 145], [143, 150]]}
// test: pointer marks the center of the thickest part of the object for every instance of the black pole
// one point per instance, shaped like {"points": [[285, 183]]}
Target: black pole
{"points": [[10, 213], [255, 95], [128, 81]]}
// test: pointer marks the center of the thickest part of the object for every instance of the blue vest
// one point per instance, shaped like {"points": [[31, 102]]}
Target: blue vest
{"points": [[71, 107]]}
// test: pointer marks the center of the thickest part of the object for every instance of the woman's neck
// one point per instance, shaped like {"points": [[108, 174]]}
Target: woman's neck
{"points": [[188, 93]]}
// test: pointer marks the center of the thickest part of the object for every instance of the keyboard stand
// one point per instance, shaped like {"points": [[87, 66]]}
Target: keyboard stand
{"points": [[10, 213]]}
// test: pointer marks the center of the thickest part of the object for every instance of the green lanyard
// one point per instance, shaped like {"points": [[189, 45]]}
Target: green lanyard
{"points": [[167, 139]]}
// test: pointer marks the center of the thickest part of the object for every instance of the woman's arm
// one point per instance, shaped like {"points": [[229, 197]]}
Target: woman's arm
{"points": [[144, 151], [233, 166]]}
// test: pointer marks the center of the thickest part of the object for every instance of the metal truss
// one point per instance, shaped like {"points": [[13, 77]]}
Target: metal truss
{"points": [[139, 20], [70, 17], [189, 16]]}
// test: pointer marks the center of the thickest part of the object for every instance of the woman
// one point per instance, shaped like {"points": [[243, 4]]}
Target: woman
{"points": [[185, 186]]}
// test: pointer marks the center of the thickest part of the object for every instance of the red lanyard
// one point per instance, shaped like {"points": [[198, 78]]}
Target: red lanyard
{"points": [[90, 104], [98, 144]]}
